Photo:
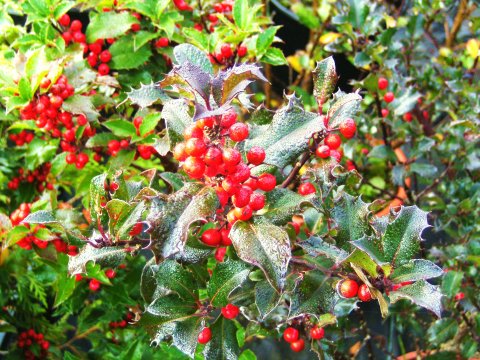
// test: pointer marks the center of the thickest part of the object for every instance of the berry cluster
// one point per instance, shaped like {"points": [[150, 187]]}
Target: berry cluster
{"points": [[224, 8], [33, 344], [122, 323], [227, 55], [22, 138], [182, 5], [349, 288], [93, 284], [206, 155], [292, 336], [388, 97], [38, 177], [229, 311], [17, 216]]}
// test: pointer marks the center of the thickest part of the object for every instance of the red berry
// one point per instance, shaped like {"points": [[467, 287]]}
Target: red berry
{"points": [[94, 285], [205, 335], [222, 196], [194, 167], [67, 37], [347, 288], [105, 56], [103, 69], [323, 151], [76, 26], [382, 83], [82, 120], [348, 128], [136, 229], [257, 201], [407, 117], [230, 186], [110, 273], [226, 50], [385, 112], [267, 182], [459, 296], [79, 37], [195, 147], [95, 48], [213, 156], [333, 141], [256, 155], [162, 42], [242, 197], [226, 241], [92, 59], [82, 158], [114, 145], [193, 132], [306, 189], [290, 334], [242, 51], [137, 121], [179, 152], [298, 345], [228, 119], [244, 213], [64, 20], [78, 277], [71, 158], [220, 254], [364, 293], [230, 311], [124, 143], [231, 156], [388, 97], [238, 132], [317, 333], [45, 83], [211, 237]]}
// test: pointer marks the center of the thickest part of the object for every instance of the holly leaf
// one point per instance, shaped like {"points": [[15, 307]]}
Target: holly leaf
{"points": [[224, 343], [79, 104], [41, 217], [167, 309], [98, 196], [264, 245], [185, 335], [315, 247], [106, 257], [344, 106], [406, 102], [121, 128], [422, 294], [171, 216], [416, 269], [177, 119], [229, 83], [227, 276], [282, 204], [187, 53], [288, 134], [147, 95], [266, 298], [442, 331], [324, 80], [125, 56], [105, 25], [314, 294], [351, 219]]}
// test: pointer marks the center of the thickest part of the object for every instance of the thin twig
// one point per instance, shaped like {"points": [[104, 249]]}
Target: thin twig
{"points": [[434, 184], [296, 169]]}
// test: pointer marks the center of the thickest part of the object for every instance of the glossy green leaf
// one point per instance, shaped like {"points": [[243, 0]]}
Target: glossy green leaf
{"points": [[324, 80], [442, 330], [281, 204], [266, 298], [187, 53], [227, 276], [224, 343], [420, 293], [106, 256], [146, 95], [105, 25], [315, 246], [344, 106], [417, 269], [124, 56]]}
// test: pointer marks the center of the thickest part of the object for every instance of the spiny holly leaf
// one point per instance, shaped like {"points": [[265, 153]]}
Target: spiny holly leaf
{"points": [[186, 53], [416, 269], [125, 56], [406, 102], [191, 78], [351, 218], [266, 298], [106, 25], [230, 83], [402, 236], [315, 246], [169, 277], [194, 252], [344, 106], [106, 256], [282, 204], [421, 293], [171, 216], [262, 116], [365, 262], [324, 80], [227, 276], [185, 335], [264, 245], [79, 104], [314, 294], [146, 95], [177, 118], [442, 330], [98, 196], [224, 343], [288, 135], [167, 309]]}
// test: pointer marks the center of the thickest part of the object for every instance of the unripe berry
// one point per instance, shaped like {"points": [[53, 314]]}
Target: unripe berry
{"points": [[382, 83], [257, 201], [238, 132], [211, 237], [230, 311], [317, 333], [267, 182], [205, 335], [195, 147], [348, 128], [322, 151], [333, 141], [298, 345], [290, 334], [244, 213], [306, 189], [388, 97], [364, 293], [256, 155], [347, 288]]}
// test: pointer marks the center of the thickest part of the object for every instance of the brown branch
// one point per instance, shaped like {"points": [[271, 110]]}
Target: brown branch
{"points": [[296, 169], [80, 336], [462, 13]]}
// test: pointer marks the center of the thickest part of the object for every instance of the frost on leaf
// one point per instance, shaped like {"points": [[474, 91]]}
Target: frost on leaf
{"points": [[146, 95]]}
